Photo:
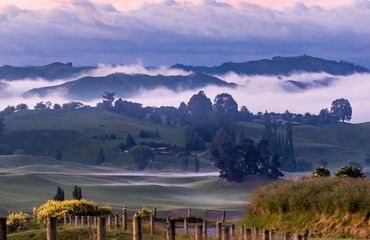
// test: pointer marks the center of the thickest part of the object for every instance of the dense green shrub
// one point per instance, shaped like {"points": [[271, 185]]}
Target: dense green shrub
{"points": [[321, 172], [350, 171]]}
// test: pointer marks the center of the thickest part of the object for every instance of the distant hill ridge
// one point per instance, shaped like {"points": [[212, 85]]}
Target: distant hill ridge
{"points": [[125, 85], [280, 66], [51, 71]]}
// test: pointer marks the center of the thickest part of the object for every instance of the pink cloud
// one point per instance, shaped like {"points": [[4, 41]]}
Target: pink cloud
{"points": [[134, 4]]}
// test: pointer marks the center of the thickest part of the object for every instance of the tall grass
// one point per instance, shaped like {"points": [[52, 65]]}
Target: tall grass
{"points": [[332, 206]]}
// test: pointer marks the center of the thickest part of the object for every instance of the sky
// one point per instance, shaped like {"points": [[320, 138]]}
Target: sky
{"points": [[165, 32]]}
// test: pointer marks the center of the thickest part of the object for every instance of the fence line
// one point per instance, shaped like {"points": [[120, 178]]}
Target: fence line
{"points": [[200, 226]]}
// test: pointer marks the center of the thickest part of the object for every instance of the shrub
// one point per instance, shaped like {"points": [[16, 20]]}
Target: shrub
{"points": [[144, 212], [17, 221], [321, 172], [74, 207], [349, 171]]}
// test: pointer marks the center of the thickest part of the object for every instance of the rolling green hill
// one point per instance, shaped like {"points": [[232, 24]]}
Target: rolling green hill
{"points": [[76, 133]]}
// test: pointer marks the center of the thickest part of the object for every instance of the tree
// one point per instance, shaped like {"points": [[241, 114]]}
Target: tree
{"points": [[245, 114], [199, 105], [325, 116], [8, 110], [77, 193], [40, 106], [225, 103], [57, 106], [321, 172], [289, 162], [130, 142], [2, 125], [196, 165], [349, 171], [341, 110], [21, 107], [141, 156], [219, 142], [108, 99], [59, 196], [101, 157]]}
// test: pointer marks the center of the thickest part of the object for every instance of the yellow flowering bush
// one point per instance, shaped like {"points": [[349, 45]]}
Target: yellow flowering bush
{"points": [[144, 212], [74, 207], [17, 221]]}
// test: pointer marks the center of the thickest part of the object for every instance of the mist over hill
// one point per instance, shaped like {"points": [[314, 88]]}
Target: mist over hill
{"points": [[126, 85]]}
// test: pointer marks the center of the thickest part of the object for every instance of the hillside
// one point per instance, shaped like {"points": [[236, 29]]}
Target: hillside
{"points": [[125, 85], [50, 72], [76, 133], [328, 206], [279, 66]]}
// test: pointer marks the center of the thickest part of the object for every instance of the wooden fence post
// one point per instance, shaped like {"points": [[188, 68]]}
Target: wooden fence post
{"points": [[288, 236], [248, 234], [266, 235], [272, 234], [51, 228], [2, 228], [155, 214], [242, 232], [298, 237], [70, 220], [65, 220], [76, 221], [95, 221], [226, 233], [256, 233], [88, 221], [186, 226], [152, 224], [218, 230], [109, 222], [171, 229], [82, 221], [223, 217], [136, 227], [100, 231], [205, 229], [198, 232], [124, 219], [115, 221], [232, 231]]}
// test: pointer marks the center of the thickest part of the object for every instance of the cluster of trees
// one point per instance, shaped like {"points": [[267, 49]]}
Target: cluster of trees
{"points": [[76, 194], [346, 171], [238, 160], [149, 134]]}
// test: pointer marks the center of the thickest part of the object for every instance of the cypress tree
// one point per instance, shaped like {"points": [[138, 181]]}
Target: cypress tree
{"points": [[77, 193], [59, 196]]}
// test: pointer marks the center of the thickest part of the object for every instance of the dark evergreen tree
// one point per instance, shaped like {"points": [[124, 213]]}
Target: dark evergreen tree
{"points": [[59, 196], [196, 165], [108, 99], [130, 141], [289, 162], [199, 106], [101, 157], [77, 193]]}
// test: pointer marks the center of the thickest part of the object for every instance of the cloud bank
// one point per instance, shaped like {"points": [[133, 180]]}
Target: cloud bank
{"points": [[209, 32]]}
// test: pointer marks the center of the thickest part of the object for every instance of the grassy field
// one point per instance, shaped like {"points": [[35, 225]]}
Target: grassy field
{"points": [[27, 181]]}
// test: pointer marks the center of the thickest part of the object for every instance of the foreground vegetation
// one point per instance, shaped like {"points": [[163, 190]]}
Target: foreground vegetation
{"points": [[333, 207]]}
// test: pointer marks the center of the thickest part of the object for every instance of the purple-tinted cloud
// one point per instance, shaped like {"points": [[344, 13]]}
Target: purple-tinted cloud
{"points": [[170, 32]]}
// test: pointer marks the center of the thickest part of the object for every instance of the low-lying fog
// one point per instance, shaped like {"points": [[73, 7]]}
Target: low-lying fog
{"points": [[258, 93]]}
